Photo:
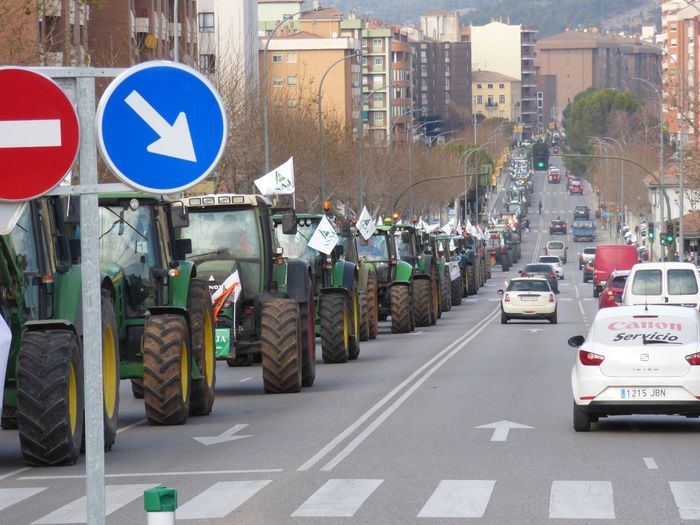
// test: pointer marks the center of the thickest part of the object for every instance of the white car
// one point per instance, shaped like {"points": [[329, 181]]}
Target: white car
{"points": [[528, 298], [556, 263], [667, 283], [637, 360]]}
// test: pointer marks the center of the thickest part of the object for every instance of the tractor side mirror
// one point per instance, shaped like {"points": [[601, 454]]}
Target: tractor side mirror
{"points": [[182, 248], [72, 210], [576, 341], [179, 217], [289, 223]]}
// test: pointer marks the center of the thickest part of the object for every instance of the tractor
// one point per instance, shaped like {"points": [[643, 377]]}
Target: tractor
{"points": [[263, 300]]}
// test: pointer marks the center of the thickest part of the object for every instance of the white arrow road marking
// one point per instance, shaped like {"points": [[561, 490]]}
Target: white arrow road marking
{"points": [[227, 435], [502, 428], [175, 141], [30, 133]]}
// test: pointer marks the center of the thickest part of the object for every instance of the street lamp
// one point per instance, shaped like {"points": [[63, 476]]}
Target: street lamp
{"points": [[409, 136], [622, 177], [266, 125], [361, 148], [322, 157]]}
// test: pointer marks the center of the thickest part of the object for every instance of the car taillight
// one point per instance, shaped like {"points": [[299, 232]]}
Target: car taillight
{"points": [[552, 274], [524, 274], [589, 358], [506, 298], [611, 293], [693, 359], [551, 297]]}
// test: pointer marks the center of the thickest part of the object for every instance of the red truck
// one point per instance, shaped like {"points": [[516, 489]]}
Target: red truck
{"points": [[609, 257]]}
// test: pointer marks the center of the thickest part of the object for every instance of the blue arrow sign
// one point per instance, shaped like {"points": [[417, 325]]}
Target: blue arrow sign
{"points": [[161, 127]]}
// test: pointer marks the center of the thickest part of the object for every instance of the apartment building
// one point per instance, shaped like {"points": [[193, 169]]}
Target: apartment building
{"points": [[126, 32], [228, 40], [44, 33], [496, 95], [441, 25], [271, 12], [584, 59], [547, 111]]}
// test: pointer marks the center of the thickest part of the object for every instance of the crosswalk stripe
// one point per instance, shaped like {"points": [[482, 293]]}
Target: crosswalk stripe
{"points": [[338, 498], [458, 499], [687, 497], [219, 500], [9, 497], [589, 299], [581, 500], [117, 496]]}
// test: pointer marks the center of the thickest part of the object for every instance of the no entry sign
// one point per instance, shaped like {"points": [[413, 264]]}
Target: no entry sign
{"points": [[39, 134]]}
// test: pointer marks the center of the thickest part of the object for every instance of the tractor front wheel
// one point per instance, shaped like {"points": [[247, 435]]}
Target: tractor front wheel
{"points": [[281, 346], [364, 316], [422, 307], [445, 295], [110, 370], [400, 309], [335, 328], [203, 349], [456, 292]]}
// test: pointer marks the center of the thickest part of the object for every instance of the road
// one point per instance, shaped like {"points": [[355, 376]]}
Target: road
{"points": [[393, 438]]}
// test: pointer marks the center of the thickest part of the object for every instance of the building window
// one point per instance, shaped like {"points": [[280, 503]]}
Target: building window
{"points": [[378, 81], [293, 103], [378, 61], [379, 118], [479, 100], [364, 61], [292, 80], [479, 86], [291, 58], [365, 81], [207, 63], [377, 44], [501, 99], [447, 82], [501, 85], [277, 58], [206, 22], [277, 81], [490, 101], [490, 86], [540, 94], [540, 104]]}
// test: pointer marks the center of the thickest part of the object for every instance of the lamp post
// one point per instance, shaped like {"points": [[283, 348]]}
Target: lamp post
{"points": [[263, 83], [409, 135], [622, 178], [361, 149], [176, 35], [322, 157]]}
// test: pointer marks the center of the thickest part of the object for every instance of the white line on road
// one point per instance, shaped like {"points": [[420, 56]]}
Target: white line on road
{"points": [[580, 307], [14, 473], [245, 379], [396, 404], [578, 295], [162, 474], [459, 499], [338, 498], [687, 497], [129, 427], [369, 413], [219, 500], [9, 497], [565, 299], [650, 463], [581, 500]]}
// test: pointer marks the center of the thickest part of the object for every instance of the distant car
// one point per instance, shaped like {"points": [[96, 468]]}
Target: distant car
{"points": [[542, 271], [586, 255], [582, 212], [637, 360], [612, 293], [554, 177], [583, 230], [575, 187], [528, 298], [557, 248], [557, 226], [555, 149], [555, 262], [588, 271], [643, 253]]}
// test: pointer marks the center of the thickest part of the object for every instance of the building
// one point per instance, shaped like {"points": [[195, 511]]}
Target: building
{"points": [[228, 39], [271, 12], [441, 25], [547, 114], [123, 33], [496, 95], [514, 56], [44, 33], [583, 59]]}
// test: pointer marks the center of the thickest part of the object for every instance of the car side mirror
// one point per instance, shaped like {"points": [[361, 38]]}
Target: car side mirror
{"points": [[520, 271], [500, 292], [576, 341], [178, 216], [182, 248], [289, 223]]}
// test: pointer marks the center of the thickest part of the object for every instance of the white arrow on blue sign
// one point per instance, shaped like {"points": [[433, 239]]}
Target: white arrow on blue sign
{"points": [[161, 127]]}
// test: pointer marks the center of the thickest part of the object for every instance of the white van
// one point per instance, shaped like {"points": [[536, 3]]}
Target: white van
{"points": [[669, 283], [556, 248]]}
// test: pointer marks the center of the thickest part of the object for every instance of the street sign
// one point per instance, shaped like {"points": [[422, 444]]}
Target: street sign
{"points": [[161, 127], [39, 134]]}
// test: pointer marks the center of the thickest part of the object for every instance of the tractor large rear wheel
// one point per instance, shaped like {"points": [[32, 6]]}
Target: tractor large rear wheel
{"points": [[281, 346], [166, 369], [372, 306], [110, 370], [335, 328], [445, 293], [422, 302], [50, 401], [203, 349], [400, 309]]}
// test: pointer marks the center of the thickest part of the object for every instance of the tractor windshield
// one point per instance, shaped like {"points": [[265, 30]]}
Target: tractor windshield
{"points": [[405, 247], [296, 246], [24, 243], [375, 248]]}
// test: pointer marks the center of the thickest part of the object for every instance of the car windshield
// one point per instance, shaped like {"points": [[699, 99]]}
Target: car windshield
{"points": [[375, 248], [538, 268], [589, 251], [583, 224], [555, 245], [647, 282], [558, 223], [618, 282], [528, 286], [219, 233], [296, 246], [549, 259], [682, 282], [630, 331]]}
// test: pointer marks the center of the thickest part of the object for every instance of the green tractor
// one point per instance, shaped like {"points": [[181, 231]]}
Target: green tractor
{"points": [[340, 301], [40, 286], [436, 248], [163, 324], [394, 278], [448, 249], [264, 301]]}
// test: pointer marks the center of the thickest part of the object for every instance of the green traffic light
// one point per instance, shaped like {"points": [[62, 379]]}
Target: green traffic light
{"points": [[669, 238]]}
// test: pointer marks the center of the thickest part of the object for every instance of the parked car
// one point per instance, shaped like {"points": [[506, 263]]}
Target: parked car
{"points": [[667, 283], [555, 262], [543, 271], [528, 298], [557, 227], [582, 212], [612, 293], [557, 248], [587, 255], [609, 257]]}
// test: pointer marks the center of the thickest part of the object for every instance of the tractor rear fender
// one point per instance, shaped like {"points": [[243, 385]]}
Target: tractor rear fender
{"points": [[404, 271], [298, 280], [344, 274], [50, 324], [177, 310], [67, 300], [422, 277], [180, 285], [427, 263], [399, 283], [364, 271]]}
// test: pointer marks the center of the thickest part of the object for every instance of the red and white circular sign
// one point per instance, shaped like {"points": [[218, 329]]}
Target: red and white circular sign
{"points": [[39, 134]]}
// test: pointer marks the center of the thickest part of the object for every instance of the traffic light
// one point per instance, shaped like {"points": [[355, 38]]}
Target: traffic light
{"points": [[651, 233], [540, 156], [670, 233]]}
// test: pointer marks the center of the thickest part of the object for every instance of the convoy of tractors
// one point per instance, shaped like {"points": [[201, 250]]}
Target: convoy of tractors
{"points": [[186, 283]]}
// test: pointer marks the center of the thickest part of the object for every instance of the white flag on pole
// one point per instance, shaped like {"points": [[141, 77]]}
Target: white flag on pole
{"points": [[5, 341], [324, 238], [279, 181], [365, 224], [232, 281]]}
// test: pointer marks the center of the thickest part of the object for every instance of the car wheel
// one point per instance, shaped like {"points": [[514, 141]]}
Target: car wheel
{"points": [[553, 318], [582, 421], [596, 292], [504, 318]]}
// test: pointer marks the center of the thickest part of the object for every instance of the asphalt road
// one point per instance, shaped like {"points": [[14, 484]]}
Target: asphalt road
{"points": [[394, 437]]}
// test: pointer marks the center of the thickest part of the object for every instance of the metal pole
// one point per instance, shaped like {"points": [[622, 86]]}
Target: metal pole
{"points": [[410, 139], [661, 169], [681, 166], [176, 36], [92, 321], [362, 145]]}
